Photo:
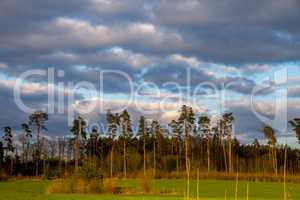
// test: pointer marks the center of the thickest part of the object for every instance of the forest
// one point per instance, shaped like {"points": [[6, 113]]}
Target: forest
{"points": [[188, 144]]}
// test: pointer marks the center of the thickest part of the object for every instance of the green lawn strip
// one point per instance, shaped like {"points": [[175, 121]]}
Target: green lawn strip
{"points": [[208, 189]]}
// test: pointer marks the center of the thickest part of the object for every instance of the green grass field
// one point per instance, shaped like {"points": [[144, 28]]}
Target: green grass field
{"points": [[209, 189]]}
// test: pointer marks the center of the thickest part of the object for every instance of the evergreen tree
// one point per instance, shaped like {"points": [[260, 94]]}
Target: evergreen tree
{"points": [[125, 123], [228, 127], [295, 123], [8, 138], [156, 134], [176, 136], [187, 126], [205, 130], [269, 133], [143, 133], [27, 136], [112, 124], [38, 121], [78, 130]]}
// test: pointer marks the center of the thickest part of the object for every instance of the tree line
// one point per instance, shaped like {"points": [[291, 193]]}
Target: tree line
{"points": [[191, 142]]}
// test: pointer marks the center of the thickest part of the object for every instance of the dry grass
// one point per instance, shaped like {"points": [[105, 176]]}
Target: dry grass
{"points": [[75, 185], [145, 184], [111, 186], [3, 175]]}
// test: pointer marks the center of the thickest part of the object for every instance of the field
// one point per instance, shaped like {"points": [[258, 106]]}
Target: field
{"points": [[208, 189]]}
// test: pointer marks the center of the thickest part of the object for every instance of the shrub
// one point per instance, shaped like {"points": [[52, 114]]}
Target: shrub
{"points": [[110, 186], [90, 170], [76, 185], [145, 184], [3, 175], [145, 181]]}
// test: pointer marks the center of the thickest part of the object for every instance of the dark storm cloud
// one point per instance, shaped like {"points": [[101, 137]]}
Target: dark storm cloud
{"points": [[247, 125], [280, 14], [82, 37], [230, 31], [234, 31], [183, 76], [294, 92]]}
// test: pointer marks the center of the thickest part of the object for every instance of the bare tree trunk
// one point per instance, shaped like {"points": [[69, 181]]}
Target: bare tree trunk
{"points": [[177, 158], [77, 146], [111, 161], [27, 154], [186, 151], [59, 156], [44, 167], [186, 154], [224, 154], [154, 157], [208, 155], [23, 149], [187, 161], [144, 156], [230, 154], [11, 165], [284, 171], [223, 146], [38, 153], [76, 154], [124, 159], [275, 161]]}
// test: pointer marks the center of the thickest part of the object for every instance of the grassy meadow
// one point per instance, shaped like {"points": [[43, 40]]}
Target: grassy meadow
{"points": [[160, 189]]}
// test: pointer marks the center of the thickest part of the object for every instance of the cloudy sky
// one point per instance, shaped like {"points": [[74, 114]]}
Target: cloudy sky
{"points": [[167, 53]]}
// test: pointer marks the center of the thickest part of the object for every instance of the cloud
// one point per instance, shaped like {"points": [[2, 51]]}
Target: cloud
{"points": [[205, 12], [131, 9], [234, 32], [111, 57], [3, 65], [294, 92], [190, 61], [219, 42]]}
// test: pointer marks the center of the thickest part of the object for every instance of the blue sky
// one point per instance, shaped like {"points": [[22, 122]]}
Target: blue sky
{"points": [[154, 43]]}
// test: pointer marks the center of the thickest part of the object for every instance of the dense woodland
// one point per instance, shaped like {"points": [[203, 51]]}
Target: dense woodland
{"points": [[186, 145]]}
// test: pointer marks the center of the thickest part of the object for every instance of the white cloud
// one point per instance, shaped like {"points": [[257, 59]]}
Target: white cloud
{"points": [[64, 33], [3, 65], [190, 61], [116, 7], [112, 56], [27, 88]]}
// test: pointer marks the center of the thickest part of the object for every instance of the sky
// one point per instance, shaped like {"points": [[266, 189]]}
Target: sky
{"points": [[151, 57]]}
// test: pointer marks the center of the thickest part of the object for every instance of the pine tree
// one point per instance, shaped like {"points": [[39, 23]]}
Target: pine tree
{"points": [[8, 138], [269, 133], [27, 137], [228, 126], [176, 135], [295, 123], [125, 123], [156, 134], [143, 133], [187, 125], [78, 130], [205, 130], [112, 123], [38, 122]]}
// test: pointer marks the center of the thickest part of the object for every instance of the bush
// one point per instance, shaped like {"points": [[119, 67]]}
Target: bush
{"points": [[90, 170], [76, 185], [145, 181], [3, 175], [110, 186]]}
